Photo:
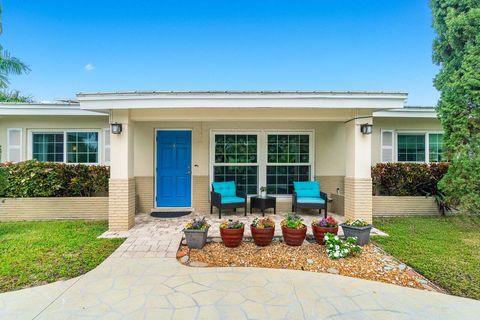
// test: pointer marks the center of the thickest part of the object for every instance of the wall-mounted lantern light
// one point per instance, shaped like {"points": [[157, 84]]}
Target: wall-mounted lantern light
{"points": [[116, 128], [366, 128]]}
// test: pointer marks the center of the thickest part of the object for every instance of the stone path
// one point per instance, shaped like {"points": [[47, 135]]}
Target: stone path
{"points": [[161, 288], [143, 280], [155, 237]]}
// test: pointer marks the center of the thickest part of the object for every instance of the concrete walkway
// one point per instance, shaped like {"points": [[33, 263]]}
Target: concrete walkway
{"points": [[161, 288]]}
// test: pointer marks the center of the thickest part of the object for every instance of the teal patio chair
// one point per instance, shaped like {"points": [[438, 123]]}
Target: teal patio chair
{"points": [[224, 195], [307, 195]]}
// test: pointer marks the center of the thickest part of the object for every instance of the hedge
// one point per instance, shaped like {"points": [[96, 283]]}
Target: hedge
{"points": [[47, 179], [407, 179]]}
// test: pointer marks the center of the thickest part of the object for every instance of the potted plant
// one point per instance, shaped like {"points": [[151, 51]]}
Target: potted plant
{"points": [[359, 229], [196, 231], [231, 233], [293, 229], [263, 192], [321, 227], [262, 231]]}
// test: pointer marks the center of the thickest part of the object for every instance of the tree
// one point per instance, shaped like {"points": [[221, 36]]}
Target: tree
{"points": [[456, 49], [13, 96], [9, 65]]}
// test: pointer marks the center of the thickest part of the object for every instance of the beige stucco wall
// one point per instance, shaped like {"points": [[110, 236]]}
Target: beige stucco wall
{"points": [[399, 124], [387, 206], [329, 154], [47, 122], [329, 143]]}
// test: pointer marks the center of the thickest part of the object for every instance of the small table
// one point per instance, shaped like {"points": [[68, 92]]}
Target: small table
{"points": [[263, 203]]}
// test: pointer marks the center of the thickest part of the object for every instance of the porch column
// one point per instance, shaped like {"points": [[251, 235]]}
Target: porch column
{"points": [[121, 206], [358, 181]]}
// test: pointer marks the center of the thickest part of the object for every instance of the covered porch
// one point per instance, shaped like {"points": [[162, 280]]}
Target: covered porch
{"points": [[172, 146]]}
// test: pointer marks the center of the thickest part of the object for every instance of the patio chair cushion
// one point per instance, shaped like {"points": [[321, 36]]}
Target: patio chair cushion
{"points": [[307, 189], [226, 189], [310, 200], [232, 200]]}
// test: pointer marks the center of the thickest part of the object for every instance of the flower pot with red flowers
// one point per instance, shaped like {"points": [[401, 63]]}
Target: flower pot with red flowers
{"points": [[321, 227], [294, 230], [231, 233], [262, 231]]}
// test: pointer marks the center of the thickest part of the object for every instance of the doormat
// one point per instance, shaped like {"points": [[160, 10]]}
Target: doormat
{"points": [[169, 214]]}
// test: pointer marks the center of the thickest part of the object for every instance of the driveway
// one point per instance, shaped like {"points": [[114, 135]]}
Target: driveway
{"points": [[161, 288]]}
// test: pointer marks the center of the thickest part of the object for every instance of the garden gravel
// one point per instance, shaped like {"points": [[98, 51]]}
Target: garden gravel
{"points": [[370, 264]]}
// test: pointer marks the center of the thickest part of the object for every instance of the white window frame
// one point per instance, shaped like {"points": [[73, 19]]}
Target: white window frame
{"points": [[427, 143], [64, 132], [18, 147], [262, 152]]}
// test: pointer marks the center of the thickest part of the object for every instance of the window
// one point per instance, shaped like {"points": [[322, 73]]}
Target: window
{"points": [[48, 146], [262, 158], [420, 147], [235, 159], [288, 160], [65, 146], [411, 147], [435, 147], [82, 147]]}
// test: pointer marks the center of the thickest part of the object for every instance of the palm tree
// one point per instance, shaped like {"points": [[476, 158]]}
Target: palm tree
{"points": [[8, 64]]}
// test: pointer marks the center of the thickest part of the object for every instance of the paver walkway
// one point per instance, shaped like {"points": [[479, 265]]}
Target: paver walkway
{"points": [[154, 237], [142, 280]]}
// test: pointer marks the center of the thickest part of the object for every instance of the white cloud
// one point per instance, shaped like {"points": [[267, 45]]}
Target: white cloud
{"points": [[89, 67]]}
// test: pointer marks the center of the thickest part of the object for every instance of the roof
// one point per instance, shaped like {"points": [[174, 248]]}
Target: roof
{"points": [[236, 92], [408, 112], [245, 99], [45, 109]]}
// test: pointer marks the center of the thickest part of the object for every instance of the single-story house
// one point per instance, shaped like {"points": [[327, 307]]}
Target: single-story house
{"points": [[166, 148]]}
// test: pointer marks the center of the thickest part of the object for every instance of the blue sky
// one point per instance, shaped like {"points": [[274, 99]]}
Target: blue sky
{"points": [[74, 46]]}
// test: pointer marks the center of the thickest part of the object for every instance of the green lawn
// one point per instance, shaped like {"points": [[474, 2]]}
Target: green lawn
{"points": [[444, 249], [35, 253]]}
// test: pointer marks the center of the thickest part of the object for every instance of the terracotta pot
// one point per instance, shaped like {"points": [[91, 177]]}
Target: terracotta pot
{"points": [[319, 232], [262, 237], [294, 237], [231, 237]]}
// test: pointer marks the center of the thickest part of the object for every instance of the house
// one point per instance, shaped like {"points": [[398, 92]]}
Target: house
{"points": [[165, 148]]}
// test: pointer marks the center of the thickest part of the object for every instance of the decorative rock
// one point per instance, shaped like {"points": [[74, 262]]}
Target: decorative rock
{"points": [[184, 242], [388, 267], [421, 281], [310, 261], [216, 240], [198, 264], [184, 259], [402, 266], [333, 270], [182, 253]]}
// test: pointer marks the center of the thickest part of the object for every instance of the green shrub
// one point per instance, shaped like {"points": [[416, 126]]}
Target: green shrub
{"points": [[47, 179], [407, 179], [3, 181]]}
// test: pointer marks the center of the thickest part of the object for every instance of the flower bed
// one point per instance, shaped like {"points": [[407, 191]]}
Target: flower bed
{"points": [[371, 264]]}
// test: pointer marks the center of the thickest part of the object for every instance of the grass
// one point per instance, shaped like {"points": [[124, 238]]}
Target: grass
{"points": [[446, 250], [35, 253]]}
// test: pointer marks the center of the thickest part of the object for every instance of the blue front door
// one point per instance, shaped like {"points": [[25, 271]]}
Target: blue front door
{"points": [[174, 168]]}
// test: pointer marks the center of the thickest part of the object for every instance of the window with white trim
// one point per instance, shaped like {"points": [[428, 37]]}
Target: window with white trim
{"points": [[236, 159], [288, 160], [263, 158], [65, 146], [419, 147]]}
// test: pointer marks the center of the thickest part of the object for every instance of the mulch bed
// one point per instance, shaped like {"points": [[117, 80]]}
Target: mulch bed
{"points": [[371, 264]]}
